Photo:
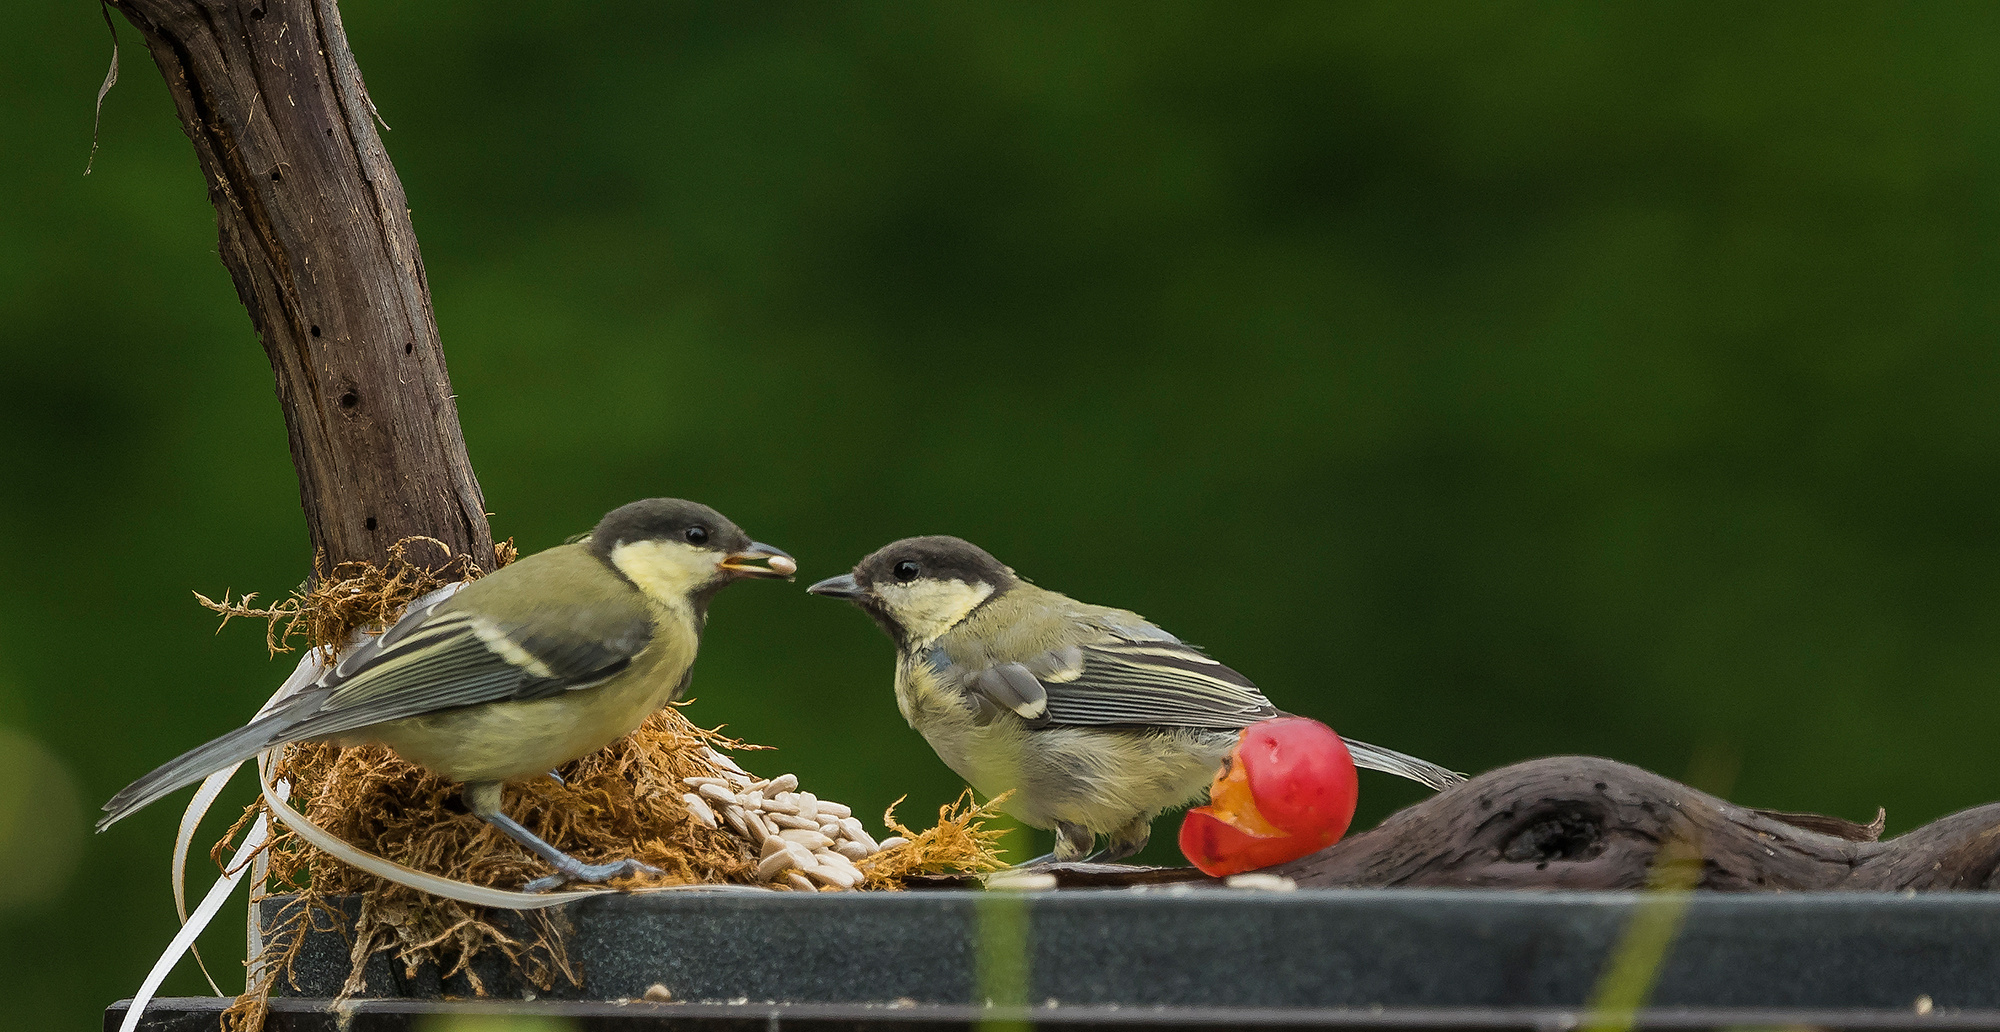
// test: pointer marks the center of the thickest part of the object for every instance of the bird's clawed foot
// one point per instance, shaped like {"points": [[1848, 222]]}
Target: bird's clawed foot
{"points": [[1073, 842], [575, 872], [1126, 841], [483, 800]]}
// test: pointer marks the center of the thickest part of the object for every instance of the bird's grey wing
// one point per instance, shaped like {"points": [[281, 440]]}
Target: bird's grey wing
{"points": [[1155, 680], [439, 660], [1150, 682]]}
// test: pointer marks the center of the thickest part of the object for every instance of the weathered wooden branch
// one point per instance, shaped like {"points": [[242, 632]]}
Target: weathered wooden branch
{"points": [[1579, 822], [317, 236]]}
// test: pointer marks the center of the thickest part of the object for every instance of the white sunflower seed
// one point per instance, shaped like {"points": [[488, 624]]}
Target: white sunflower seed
{"points": [[857, 833], [802, 857], [838, 811], [852, 850], [808, 805], [782, 783], [699, 810], [839, 877], [891, 842], [782, 804], [1261, 880], [718, 793], [774, 865], [786, 820], [832, 856], [800, 882], [698, 782], [809, 839], [1021, 881]]}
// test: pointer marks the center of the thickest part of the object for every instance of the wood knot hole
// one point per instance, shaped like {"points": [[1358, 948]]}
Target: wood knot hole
{"points": [[369, 523], [315, 331], [349, 400], [1567, 834]]}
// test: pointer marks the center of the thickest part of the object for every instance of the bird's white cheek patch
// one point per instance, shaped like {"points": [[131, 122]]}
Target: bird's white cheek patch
{"points": [[665, 570], [928, 608]]}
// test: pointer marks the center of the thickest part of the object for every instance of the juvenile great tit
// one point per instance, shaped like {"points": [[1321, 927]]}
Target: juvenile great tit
{"points": [[1094, 718], [546, 660]]}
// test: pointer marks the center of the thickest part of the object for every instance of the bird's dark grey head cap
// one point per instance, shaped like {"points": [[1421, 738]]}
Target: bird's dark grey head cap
{"points": [[667, 519], [933, 557]]}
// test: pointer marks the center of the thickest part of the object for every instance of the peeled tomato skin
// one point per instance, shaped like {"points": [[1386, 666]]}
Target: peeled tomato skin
{"points": [[1219, 849]]}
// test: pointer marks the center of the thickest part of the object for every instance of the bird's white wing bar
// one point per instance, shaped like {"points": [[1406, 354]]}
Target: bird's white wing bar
{"points": [[1145, 683], [1155, 684]]}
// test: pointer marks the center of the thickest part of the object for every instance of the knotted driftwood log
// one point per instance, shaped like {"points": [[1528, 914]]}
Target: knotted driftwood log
{"points": [[1582, 822]]}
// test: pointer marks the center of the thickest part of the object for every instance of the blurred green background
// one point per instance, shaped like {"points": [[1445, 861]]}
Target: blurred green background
{"points": [[1488, 381]]}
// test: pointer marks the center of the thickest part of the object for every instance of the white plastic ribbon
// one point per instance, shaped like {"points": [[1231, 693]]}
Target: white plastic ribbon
{"points": [[197, 808], [203, 914]]}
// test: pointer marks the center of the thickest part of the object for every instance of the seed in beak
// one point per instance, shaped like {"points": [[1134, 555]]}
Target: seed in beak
{"points": [[760, 561]]}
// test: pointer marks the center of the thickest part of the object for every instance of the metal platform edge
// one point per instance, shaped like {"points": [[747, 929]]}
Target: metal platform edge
{"points": [[299, 1014]]}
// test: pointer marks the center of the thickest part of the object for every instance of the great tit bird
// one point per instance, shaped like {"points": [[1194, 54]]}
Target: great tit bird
{"points": [[1094, 718], [546, 660]]}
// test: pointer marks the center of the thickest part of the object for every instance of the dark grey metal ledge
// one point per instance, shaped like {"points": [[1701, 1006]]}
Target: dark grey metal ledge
{"points": [[1399, 951], [201, 1014]]}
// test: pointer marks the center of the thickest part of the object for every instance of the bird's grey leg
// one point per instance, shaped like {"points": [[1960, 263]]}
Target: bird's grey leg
{"points": [[1073, 841], [1126, 840], [484, 801]]}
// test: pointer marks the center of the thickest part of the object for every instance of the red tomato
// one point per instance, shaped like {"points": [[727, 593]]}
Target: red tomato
{"points": [[1300, 775], [1288, 791]]}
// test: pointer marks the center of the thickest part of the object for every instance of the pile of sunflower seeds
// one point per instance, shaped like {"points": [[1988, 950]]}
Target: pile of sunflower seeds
{"points": [[801, 842]]}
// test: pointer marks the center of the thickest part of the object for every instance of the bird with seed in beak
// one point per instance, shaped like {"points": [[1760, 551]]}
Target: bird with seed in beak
{"points": [[546, 660]]}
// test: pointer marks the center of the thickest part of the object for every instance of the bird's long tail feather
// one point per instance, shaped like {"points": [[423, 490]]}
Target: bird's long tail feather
{"points": [[1389, 761], [193, 765]]}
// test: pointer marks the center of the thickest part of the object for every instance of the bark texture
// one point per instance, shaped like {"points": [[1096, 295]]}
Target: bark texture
{"points": [[316, 234]]}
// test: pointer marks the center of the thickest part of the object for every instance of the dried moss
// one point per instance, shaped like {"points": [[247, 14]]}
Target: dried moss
{"points": [[356, 594], [960, 842]]}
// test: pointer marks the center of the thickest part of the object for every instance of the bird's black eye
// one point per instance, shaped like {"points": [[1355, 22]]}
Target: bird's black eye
{"points": [[906, 570], [697, 535]]}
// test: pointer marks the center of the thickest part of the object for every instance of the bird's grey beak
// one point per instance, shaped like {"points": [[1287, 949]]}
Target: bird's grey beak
{"points": [[842, 586], [776, 562]]}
